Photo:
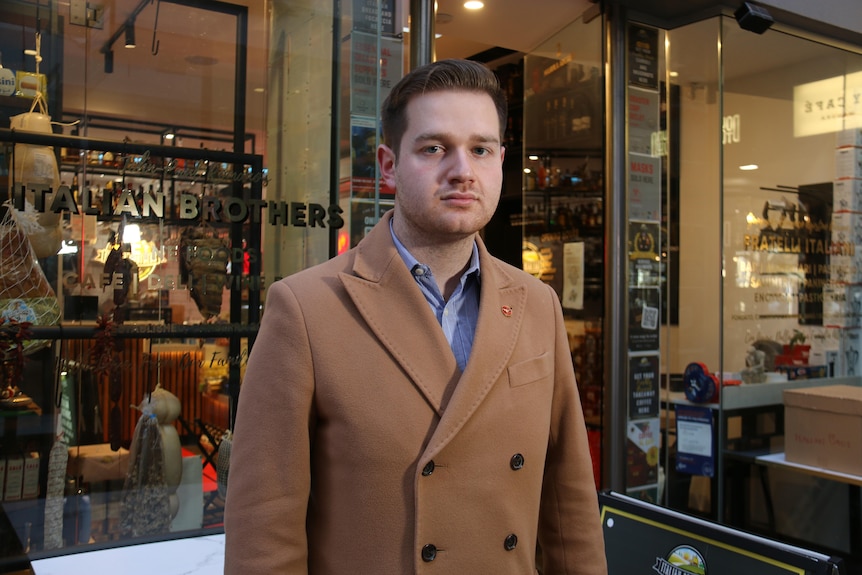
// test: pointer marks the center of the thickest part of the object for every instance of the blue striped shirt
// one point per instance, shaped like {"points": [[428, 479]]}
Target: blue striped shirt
{"points": [[459, 315]]}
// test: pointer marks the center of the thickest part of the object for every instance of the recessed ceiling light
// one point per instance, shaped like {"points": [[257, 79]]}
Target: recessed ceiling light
{"points": [[749, 167], [474, 5]]}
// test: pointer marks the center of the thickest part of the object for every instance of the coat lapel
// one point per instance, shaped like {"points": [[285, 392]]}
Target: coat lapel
{"points": [[502, 305], [390, 302], [385, 293]]}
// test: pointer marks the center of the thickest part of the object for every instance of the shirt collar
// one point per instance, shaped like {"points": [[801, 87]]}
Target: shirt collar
{"points": [[411, 261]]}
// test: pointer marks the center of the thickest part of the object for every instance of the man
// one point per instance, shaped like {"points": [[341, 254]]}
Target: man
{"points": [[410, 406]]}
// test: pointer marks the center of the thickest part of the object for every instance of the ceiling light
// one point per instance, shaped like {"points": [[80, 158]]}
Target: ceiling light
{"points": [[749, 167], [130, 36], [131, 233], [474, 5]]}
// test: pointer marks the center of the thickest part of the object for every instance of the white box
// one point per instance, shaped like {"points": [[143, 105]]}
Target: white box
{"points": [[842, 306], [848, 138], [850, 350], [14, 478], [846, 269], [848, 163], [30, 484], [847, 195], [847, 227]]}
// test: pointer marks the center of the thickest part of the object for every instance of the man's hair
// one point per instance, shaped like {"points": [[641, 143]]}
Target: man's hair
{"points": [[443, 75]]}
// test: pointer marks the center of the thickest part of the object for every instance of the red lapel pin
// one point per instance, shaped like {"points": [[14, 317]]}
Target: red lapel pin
{"points": [[507, 311]]}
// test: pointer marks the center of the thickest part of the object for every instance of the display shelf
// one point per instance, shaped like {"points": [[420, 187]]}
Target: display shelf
{"points": [[753, 395]]}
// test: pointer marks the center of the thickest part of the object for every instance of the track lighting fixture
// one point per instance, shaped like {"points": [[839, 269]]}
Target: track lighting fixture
{"points": [[130, 35]]}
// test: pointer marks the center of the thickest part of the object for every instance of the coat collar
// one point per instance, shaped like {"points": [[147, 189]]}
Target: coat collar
{"points": [[388, 299]]}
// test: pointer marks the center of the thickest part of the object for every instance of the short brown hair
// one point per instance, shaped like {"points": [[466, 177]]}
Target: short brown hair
{"points": [[450, 74]]}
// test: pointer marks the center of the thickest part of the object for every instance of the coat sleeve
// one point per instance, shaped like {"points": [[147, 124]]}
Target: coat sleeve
{"points": [[270, 479], [570, 531]]}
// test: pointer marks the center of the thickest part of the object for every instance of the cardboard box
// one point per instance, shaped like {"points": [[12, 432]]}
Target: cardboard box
{"points": [[823, 427]]}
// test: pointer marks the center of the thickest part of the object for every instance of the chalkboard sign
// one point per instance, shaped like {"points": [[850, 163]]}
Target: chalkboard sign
{"points": [[644, 538]]}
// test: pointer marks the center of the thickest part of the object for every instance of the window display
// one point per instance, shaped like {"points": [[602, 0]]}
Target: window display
{"points": [[151, 291]]}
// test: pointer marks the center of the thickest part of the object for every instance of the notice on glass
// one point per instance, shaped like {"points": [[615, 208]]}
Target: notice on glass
{"points": [[694, 440], [643, 107], [573, 278], [643, 56], [643, 386], [375, 67], [644, 187], [642, 452]]}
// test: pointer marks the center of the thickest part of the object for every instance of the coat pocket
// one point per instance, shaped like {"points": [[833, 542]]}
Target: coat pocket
{"points": [[531, 370]]}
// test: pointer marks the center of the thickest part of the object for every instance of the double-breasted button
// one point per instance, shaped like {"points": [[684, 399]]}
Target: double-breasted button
{"points": [[517, 461], [428, 469], [429, 553], [510, 542]]}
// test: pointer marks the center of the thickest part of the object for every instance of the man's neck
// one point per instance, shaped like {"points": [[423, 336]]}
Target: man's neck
{"points": [[448, 263], [448, 260]]}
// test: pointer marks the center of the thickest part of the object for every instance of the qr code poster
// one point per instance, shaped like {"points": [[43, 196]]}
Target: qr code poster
{"points": [[644, 308]]}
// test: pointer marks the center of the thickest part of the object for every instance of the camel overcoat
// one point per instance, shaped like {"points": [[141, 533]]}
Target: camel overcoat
{"points": [[361, 449]]}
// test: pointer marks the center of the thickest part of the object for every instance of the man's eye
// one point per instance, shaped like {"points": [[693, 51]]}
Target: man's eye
{"points": [[432, 149], [481, 151]]}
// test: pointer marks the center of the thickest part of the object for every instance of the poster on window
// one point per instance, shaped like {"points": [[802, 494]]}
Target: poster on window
{"points": [[642, 452], [643, 56], [375, 66], [644, 258], [643, 386], [643, 318], [694, 440], [644, 188], [643, 121], [573, 278]]}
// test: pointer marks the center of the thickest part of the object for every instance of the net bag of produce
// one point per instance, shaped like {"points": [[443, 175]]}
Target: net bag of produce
{"points": [[145, 504], [25, 294]]}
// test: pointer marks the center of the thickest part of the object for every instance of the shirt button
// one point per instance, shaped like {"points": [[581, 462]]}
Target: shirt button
{"points": [[517, 461], [418, 270], [428, 469], [511, 542], [429, 553]]}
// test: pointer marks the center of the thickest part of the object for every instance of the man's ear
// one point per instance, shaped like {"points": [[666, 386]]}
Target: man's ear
{"points": [[386, 162]]}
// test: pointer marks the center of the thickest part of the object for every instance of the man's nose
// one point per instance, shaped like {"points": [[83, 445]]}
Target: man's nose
{"points": [[461, 165]]}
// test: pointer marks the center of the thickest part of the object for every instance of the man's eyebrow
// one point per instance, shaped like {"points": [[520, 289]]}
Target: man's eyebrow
{"points": [[493, 139]]}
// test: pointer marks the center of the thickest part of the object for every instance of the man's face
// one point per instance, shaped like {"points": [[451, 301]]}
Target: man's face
{"points": [[449, 170]]}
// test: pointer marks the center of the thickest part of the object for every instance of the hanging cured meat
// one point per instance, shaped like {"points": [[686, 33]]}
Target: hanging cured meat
{"points": [[203, 266]]}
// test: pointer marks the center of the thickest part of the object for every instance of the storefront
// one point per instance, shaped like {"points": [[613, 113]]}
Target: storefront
{"points": [[686, 177]]}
